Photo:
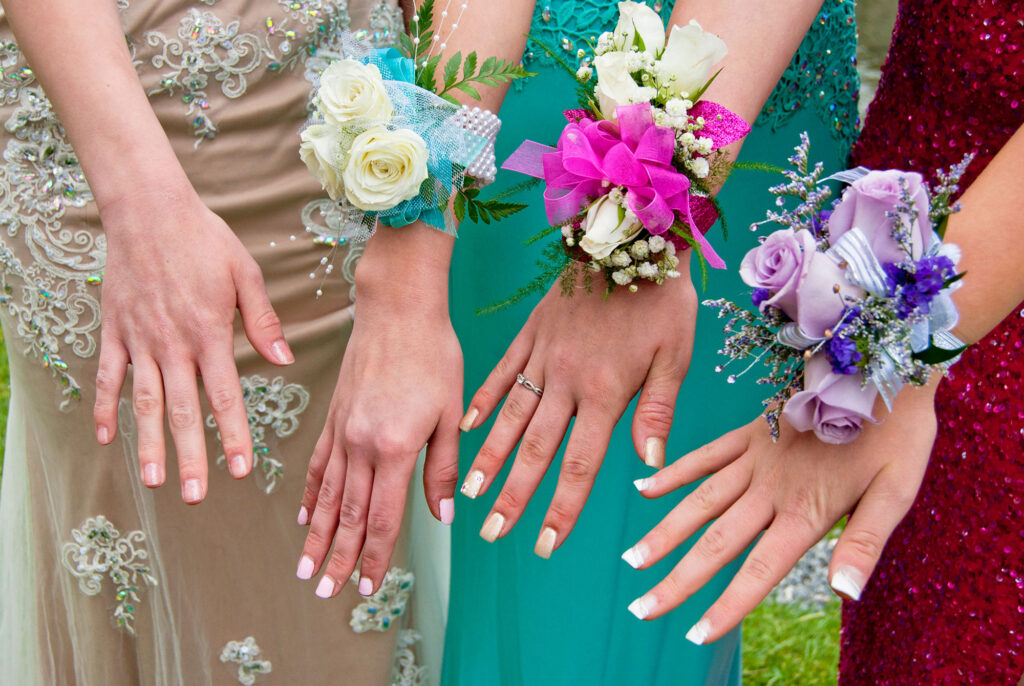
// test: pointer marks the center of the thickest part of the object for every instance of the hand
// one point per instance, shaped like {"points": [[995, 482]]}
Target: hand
{"points": [[794, 490], [400, 388], [590, 356], [175, 274]]}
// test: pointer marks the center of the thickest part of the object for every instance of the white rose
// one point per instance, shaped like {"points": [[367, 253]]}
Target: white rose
{"points": [[321, 150], [384, 168], [351, 90], [615, 85], [637, 18], [686, 64], [606, 229]]}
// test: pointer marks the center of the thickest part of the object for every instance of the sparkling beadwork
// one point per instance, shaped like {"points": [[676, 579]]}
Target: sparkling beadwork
{"points": [[246, 654], [378, 611]]}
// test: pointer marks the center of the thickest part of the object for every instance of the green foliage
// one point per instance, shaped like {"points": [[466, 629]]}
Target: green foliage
{"points": [[759, 166], [700, 91], [936, 355], [684, 233], [469, 204], [788, 644], [492, 72]]}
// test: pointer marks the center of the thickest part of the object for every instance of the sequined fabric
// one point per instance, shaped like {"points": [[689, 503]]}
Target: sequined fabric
{"points": [[946, 602]]}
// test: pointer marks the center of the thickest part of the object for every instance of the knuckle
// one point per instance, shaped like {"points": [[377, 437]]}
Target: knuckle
{"points": [[145, 402], [222, 400], [150, 450], [351, 515], [375, 558], [561, 515], [447, 474], [328, 493], [866, 543], [712, 544], [358, 435], [315, 540], [182, 416], [394, 444], [805, 508], [309, 495], [759, 569], [514, 409], [577, 468], [656, 411], [381, 526], [705, 497], [563, 363], [509, 501], [532, 451], [106, 383], [267, 321], [672, 589], [487, 455]]}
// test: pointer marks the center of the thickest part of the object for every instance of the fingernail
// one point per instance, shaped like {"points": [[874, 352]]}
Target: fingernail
{"points": [[325, 589], [305, 570], [192, 491], [447, 510], [654, 452], [636, 555], [467, 422], [545, 542], [698, 633], [303, 516], [103, 435], [642, 606], [151, 475], [847, 581], [492, 527], [365, 586], [471, 486], [643, 484], [237, 467], [282, 352]]}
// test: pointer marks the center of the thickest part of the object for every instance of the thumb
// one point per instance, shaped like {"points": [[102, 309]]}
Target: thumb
{"points": [[652, 420], [441, 467], [261, 323]]}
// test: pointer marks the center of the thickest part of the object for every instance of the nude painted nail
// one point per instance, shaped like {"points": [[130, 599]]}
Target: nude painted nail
{"points": [[447, 510], [654, 452], [237, 467], [847, 581], [637, 555], [467, 422], [365, 586], [642, 607], [305, 570], [325, 589], [303, 516], [698, 633], [545, 542], [192, 491], [103, 435], [492, 527], [473, 483], [643, 484], [151, 475], [282, 352]]}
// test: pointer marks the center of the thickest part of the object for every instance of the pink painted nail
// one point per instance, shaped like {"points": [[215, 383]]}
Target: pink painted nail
{"points": [[325, 589], [192, 491], [447, 510], [365, 586], [103, 434], [305, 570], [282, 352], [237, 467], [151, 475], [303, 516]]}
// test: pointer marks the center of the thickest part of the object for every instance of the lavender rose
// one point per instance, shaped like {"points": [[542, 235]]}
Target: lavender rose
{"points": [[833, 406], [864, 205]]}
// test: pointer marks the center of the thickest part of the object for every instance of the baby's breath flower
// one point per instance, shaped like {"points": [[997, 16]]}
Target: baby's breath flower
{"points": [[621, 278], [584, 73], [647, 271], [656, 243], [620, 258], [639, 249]]}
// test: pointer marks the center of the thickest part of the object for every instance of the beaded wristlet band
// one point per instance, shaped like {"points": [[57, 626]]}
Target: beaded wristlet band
{"points": [[485, 124]]}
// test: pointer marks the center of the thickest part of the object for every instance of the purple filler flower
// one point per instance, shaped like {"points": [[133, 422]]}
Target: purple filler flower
{"points": [[843, 355], [759, 296], [919, 287]]}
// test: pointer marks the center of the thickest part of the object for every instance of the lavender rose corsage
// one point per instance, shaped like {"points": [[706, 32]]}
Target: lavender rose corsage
{"points": [[851, 297]]}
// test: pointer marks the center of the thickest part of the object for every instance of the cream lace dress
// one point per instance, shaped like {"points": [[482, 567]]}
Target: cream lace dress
{"points": [[102, 581]]}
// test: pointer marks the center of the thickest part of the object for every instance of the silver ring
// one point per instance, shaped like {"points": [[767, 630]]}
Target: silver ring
{"points": [[529, 385]]}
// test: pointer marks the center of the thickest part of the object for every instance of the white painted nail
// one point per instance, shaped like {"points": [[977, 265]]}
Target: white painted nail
{"points": [[847, 582], [546, 542], [636, 555], [325, 589], [467, 422], [474, 482], [447, 510], [305, 570], [643, 484], [492, 527], [698, 633], [642, 606], [303, 516], [654, 452]]}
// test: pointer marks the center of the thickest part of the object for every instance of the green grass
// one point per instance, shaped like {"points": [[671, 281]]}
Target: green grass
{"points": [[785, 644]]}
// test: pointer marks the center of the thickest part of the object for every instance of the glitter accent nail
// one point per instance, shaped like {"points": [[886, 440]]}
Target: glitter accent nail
{"points": [[474, 482]]}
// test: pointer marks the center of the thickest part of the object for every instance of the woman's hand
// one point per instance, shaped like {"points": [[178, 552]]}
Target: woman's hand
{"points": [[400, 388], [590, 356], [175, 275], [794, 491]]}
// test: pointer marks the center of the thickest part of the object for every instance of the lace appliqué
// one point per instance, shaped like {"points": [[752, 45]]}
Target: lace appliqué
{"points": [[378, 611], [246, 654], [405, 671], [98, 550], [270, 405]]}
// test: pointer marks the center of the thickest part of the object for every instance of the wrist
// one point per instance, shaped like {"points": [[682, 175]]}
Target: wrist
{"points": [[406, 270]]}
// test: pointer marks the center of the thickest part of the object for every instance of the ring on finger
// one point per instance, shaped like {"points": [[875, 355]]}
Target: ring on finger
{"points": [[529, 385]]}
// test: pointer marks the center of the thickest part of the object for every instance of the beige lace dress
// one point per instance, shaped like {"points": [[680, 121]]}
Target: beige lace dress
{"points": [[102, 581]]}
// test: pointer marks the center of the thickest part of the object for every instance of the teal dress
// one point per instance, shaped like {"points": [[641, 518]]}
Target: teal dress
{"points": [[514, 618]]}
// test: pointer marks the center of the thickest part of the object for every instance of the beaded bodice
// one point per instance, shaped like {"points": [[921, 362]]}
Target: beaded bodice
{"points": [[822, 75]]}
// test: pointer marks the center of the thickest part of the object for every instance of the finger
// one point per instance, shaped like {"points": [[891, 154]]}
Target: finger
{"points": [[536, 451], [880, 510], [709, 500], [315, 472], [324, 523], [717, 547], [148, 405], [224, 391], [441, 467], [348, 541], [695, 465], [652, 419], [110, 375], [185, 419], [261, 323], [583, 457], [508, 428], [500, 380], [383, 522]]}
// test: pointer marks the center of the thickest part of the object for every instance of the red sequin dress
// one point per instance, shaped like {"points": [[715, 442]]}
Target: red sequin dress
{"points": [[946, 602]]}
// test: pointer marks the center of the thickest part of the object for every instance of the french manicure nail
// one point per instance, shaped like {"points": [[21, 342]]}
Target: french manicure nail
{"points": [[303, 516], [643, 484], [325, 589], [305, 570], [473, 483], [192, 491], [237, 466], [151, 475], [282, 352], [492, 527], [654, 452], [642, 606], [698, 633], [636, 555], [467, 422], [447, 510], [847, 582], [545, 542], [365, 586], [103, 435]]}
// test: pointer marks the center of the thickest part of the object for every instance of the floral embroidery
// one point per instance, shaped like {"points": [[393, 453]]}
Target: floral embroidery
{"points": [[270, 404], [377, 612], [99, 550], [405, 671], [246, 654]]}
